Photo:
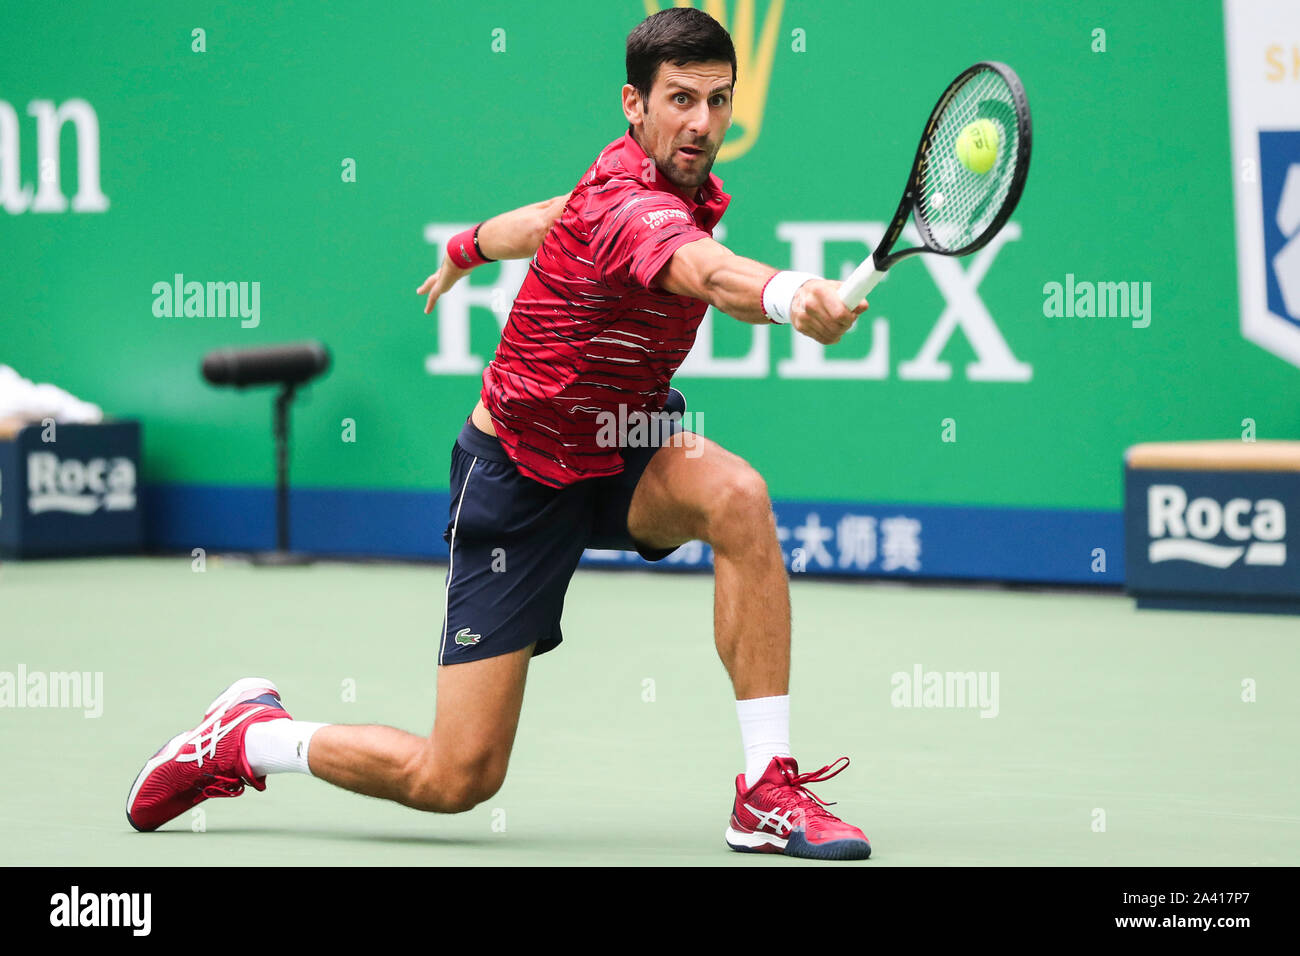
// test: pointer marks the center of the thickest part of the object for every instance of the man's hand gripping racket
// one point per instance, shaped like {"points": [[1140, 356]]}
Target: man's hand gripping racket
{"points": [[967, 177]]}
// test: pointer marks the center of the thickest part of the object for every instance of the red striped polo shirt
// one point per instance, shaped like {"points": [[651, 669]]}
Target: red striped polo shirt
{"points": [[589, 331]]}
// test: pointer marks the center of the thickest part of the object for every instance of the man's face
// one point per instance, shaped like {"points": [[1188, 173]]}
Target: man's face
{"points": [[682, 124]]}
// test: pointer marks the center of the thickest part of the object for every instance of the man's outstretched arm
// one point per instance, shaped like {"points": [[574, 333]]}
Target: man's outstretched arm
{"points": [[707, 270], [512, 235], [518, 233]]}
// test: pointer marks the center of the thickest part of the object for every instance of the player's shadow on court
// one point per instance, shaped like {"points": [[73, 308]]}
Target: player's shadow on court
{"points": [[340, 835]]}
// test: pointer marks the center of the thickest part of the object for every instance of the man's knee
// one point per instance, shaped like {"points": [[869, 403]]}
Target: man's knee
{"points": [[740, 505], [453, 786]]}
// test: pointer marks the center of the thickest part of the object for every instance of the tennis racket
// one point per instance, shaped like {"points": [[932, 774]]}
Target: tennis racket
{"points": [[957, 209]]}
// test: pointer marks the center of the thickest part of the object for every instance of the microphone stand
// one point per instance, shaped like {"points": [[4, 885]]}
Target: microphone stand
{"points": [[281, 556]]}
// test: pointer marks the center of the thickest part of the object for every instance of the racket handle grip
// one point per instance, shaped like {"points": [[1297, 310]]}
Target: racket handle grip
{"points": [[863, 280]]}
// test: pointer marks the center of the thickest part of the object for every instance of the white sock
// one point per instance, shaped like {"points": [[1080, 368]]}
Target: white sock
{"points": [[279, 746], [765, 732]]}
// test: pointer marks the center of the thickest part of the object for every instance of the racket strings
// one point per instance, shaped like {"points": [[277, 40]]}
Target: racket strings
{"points": [[955, 202]]}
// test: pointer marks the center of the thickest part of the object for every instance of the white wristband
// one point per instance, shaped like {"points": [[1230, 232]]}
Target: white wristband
{"points": [[779, 292]]}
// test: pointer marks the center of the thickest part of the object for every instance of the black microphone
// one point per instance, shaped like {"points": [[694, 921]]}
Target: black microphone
{"points": [[276, 364]]}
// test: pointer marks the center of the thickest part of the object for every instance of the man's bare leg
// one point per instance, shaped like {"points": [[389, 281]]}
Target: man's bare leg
{"points": [[459, 766], [718, 497]]}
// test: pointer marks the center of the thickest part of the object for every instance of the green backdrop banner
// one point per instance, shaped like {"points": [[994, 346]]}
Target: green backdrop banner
{"points": [[310, 158]]}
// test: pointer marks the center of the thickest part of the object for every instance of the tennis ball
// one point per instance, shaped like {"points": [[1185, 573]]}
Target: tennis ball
{"points": [[977, 146]]}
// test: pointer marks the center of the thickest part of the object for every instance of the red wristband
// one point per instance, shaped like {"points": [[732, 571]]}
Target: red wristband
{"points": [[463, 249]]}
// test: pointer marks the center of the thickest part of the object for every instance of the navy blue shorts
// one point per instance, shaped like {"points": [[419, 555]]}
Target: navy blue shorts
{"points": [[514, 543]]}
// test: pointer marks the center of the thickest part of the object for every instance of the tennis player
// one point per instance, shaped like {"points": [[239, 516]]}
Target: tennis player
{"points": [[623, 269]]}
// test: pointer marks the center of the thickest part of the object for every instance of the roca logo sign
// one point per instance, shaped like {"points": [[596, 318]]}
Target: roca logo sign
{"points": [[1183, 530], [79, 487]]}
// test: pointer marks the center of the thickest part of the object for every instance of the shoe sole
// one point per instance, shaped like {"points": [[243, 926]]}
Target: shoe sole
{"points": [[766, 843], [227, 698], [743, 842]]}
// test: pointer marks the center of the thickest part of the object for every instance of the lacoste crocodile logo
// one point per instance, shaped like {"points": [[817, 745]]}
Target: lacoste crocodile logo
{"points": [[464, 637]]}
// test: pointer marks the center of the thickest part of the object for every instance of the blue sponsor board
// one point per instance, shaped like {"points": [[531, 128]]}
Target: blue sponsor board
{"points": [[70, 489], [849, 539], [1211, 539], [931, 541]]}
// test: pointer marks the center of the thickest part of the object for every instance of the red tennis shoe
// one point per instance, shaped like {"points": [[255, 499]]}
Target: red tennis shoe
{"points": [[207, 761], [778, 815]]}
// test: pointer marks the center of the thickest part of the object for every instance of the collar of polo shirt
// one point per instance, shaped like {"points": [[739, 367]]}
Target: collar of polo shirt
{"points": [[707, 205]]}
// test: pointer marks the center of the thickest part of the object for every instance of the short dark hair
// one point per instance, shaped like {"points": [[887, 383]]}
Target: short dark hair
{"points": [[679, 35]]}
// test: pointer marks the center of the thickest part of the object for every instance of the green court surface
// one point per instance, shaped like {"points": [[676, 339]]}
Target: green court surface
{"points": [[1100, 709]]}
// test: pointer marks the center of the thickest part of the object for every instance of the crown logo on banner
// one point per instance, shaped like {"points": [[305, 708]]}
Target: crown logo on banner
{"points": [[754, 55]]}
